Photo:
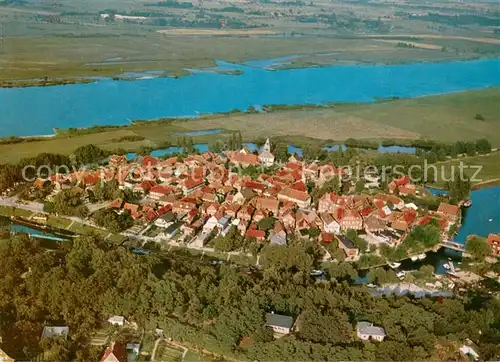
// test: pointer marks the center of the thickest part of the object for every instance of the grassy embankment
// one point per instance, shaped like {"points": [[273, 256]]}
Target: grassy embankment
{"points": [[46, 60], [63, 223]]}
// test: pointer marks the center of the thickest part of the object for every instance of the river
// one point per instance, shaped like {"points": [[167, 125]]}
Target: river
{"points": [[37, 110]]}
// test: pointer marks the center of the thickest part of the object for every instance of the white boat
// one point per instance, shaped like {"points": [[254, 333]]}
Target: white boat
{"points": [[394, 265], [421, 256], [401, 274], [414, 258], [490, 220], [446, 266]]}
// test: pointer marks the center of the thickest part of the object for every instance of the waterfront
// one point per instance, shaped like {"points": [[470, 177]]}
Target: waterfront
{"points": [[37, 110]]}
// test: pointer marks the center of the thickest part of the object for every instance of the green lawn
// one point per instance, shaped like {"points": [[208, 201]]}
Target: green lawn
{"points": [[11, 211]]}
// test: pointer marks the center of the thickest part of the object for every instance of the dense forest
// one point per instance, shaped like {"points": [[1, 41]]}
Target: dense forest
{"points": [[217, 307]]}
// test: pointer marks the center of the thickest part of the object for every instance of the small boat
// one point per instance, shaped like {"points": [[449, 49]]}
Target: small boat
{"points": [[401, 274], [467, 203], [394, 265], [421, 256], [490, 220], [414, 258], [446, 266]]}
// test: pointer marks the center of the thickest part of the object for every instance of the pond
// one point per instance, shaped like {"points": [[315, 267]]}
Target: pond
{"points": [[38, 110]]}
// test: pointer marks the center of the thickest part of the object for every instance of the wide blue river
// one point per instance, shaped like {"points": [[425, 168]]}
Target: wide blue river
{"points": [[37, 110]]}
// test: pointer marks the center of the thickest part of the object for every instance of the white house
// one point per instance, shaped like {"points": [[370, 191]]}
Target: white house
{"points": [[367, 332], [330, 225], [279, 323], [117, 320], [211, 223]]}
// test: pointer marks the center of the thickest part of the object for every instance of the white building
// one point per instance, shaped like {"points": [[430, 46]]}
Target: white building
{"points": [[117, 320], [367, 332], [266, 157]]}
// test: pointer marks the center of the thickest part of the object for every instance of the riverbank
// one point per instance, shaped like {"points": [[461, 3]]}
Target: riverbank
{"points": [[117, 103], [402, 120]]}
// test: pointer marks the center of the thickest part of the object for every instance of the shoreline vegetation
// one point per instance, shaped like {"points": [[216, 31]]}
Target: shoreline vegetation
{"points": [[91, 78]]}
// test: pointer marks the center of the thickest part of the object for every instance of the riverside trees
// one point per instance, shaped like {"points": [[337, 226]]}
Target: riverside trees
{"points": [[215, 307]]}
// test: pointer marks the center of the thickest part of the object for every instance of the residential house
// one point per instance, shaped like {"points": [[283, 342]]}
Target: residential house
{"points": [[243, 158], [494, 241], [302, 199], [281, 324], [268, 204], [367, 332], [117, 320], [347, 246], [192, 184], [243, 196], [256, 187], [328, 202], [451, 212], [201, 239], [259, 235], [51, 332], [288, 219], [329, 224], [165, 220], [348, 219], [245, 213], [157, 192], [115, 353], [210, 224]]}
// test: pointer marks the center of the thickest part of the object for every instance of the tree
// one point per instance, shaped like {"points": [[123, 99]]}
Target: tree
{"points": [[89, 154], [314, 324], [459, 187], [479, 117], [483, 146], [266, 223], [360, 186], [217, 146], [478, 247], [112, 221]]}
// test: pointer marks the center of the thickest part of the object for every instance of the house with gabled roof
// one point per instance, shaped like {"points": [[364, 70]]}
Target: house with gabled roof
{"points": [[4, 357], [368, 331], [116, 352]]}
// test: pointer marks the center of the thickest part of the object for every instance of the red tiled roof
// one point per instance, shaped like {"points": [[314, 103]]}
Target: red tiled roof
{"points": [[149, 161], [299, 186], [254, 233], [118, 350], [191, 183], [160, 190], [254, 185], [405, 180], [448, 209], [326, 237], [294, 194]]}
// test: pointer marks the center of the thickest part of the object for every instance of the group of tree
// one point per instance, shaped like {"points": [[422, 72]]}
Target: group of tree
{"points": [[112, 221], [68, 202], [217, 307]]}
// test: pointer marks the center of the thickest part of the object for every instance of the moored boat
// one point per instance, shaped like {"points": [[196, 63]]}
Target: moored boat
{"points": [[467, 203], [421, 256], [394, 265]]}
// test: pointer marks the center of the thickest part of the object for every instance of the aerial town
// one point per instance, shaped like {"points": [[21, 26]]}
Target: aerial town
{"points": [[190, 200]]}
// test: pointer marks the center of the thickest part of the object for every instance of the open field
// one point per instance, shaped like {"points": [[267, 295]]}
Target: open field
{"points": [[79, 56], [445, 118], [489, 164], [72, 39]]}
